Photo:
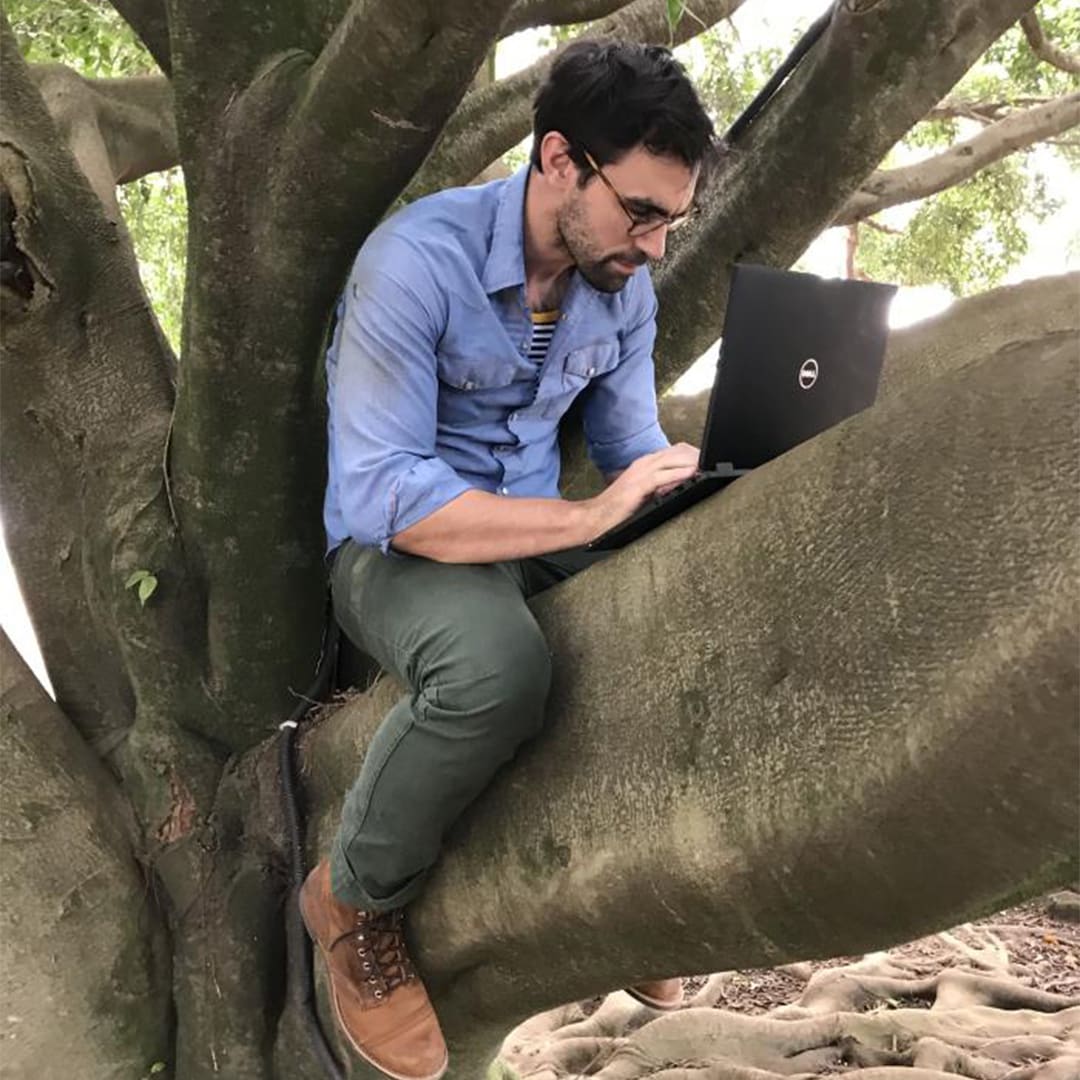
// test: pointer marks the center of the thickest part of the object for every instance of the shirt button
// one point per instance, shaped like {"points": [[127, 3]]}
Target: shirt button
{"points": [[513, 416], [504, 491], [469, 385], [591, 372]]}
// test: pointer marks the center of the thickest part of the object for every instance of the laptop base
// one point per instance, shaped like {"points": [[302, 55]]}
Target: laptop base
{"points": [[657, 511]]}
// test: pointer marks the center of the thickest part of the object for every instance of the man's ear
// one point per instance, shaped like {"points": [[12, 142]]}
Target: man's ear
{"points": [[559, 168]]}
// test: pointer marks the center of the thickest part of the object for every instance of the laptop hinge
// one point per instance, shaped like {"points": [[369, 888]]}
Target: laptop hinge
{"points": [[726, 468]]}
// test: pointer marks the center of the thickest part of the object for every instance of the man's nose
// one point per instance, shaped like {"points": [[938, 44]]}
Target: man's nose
{"points": [[652, 244]]}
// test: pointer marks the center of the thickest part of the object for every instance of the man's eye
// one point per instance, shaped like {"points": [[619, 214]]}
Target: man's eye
{"points": [[648, 214]]}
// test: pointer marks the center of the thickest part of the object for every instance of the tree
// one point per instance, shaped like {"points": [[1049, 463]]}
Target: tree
{"points": [[877, 677]]}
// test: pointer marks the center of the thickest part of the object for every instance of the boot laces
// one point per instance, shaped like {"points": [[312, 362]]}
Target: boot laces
{"points": [[380, 944]]}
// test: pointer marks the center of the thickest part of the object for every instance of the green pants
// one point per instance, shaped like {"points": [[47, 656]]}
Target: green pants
{"points": [[466, 644]]}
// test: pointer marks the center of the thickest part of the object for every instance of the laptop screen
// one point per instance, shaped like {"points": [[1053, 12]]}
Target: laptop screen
{"points": [[799, 354]]}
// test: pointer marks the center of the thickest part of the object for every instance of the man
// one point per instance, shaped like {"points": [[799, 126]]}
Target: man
{"points": [[470, 322]]}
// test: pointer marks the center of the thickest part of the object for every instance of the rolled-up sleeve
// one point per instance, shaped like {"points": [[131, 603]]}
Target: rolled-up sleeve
{"points": [[619, 409], [383, 410]]}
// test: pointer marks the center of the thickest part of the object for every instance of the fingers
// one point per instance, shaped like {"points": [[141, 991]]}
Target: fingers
{"points": [[674, 456]]}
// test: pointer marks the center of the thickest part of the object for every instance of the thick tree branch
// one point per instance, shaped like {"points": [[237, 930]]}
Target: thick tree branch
{"points": [[875, 680], [86, 400], [117, 129], [150, 21], [961, 161], [878, 69], [529, 13], [1045, 49], [492, 119], [984, 112], [68, 873], [1004, 320], [371, 130]]}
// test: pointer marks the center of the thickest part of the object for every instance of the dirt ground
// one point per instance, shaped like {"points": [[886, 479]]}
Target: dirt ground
{"points": [[1051, 954]]}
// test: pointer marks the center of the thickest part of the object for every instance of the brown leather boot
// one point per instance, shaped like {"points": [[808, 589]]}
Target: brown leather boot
{"points": [[380, 1002], [661, 994]]}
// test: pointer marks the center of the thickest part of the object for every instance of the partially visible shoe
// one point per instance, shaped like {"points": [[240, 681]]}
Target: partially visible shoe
{"points": [[379, 1001], [661, 994]]}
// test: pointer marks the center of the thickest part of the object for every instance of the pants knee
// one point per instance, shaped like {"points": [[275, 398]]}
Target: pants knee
{"points": [[503, 687]]}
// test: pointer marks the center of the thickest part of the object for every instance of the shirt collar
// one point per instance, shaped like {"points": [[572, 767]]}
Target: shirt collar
{"points": [[505, 265]]}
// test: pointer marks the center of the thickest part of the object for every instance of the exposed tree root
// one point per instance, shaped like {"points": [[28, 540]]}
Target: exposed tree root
{"points": [[960, 1006]]}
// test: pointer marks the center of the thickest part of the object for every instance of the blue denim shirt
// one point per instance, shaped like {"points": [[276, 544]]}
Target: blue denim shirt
{"points": [[430, 390]]}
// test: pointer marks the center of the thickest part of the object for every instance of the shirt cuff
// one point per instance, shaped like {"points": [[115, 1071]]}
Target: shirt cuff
{"points": [[428, 486], [612, 457]]}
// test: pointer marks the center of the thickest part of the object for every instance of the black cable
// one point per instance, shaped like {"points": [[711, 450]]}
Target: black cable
{"points": [[779, 77], [301, 970]]}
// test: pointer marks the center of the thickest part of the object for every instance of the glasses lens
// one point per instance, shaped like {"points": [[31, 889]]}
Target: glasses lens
{"points": [[643, 228]]}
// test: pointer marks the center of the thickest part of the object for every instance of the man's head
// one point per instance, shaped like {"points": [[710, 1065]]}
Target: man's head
{"points": [[620, 140]]}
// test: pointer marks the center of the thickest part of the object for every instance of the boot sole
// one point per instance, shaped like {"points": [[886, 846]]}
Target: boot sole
{"points": [[661, 1006], [345, 1031]]}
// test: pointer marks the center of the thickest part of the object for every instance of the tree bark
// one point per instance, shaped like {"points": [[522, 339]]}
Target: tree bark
{"points": [[117, 129], [150, 21], [529, 13], [852, 673], [1046, 50], [86, 399], [960, 162], [84, 961]]}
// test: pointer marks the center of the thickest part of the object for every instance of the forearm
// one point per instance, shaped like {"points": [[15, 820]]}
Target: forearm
{"points": [[478, 527]]}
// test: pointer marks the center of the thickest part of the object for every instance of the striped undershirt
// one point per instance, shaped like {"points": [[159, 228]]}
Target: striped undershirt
{"points": [[543, 326]]}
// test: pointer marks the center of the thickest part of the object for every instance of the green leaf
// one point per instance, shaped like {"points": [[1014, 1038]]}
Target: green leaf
{"points": [[146, 588], [136, 578], [675, 9]]}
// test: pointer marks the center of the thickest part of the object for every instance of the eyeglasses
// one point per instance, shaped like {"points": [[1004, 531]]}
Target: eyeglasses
{"points": [[649, 218]]}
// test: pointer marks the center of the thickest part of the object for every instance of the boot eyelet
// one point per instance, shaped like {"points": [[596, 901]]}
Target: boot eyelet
{"points": [[378, 994]]}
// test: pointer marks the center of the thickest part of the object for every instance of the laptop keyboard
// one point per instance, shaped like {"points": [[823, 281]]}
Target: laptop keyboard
{"points": [[656, 500]]}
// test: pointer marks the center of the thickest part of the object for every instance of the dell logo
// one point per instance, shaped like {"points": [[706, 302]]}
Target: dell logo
{"points": [[808, 373]]}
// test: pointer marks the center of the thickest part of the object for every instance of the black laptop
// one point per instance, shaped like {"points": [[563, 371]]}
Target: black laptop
{"points": [[799, 354]]}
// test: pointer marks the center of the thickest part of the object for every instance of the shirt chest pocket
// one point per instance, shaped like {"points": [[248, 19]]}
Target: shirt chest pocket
{"points": [[588, 362], [482, 382], [469, 373], [579, 368]]}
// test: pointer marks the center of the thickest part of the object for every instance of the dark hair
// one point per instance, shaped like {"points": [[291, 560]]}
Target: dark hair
{"points": [[608, 97]]}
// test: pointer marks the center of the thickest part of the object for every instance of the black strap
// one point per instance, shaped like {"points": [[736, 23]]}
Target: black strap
{"points": [[779, 77]]}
